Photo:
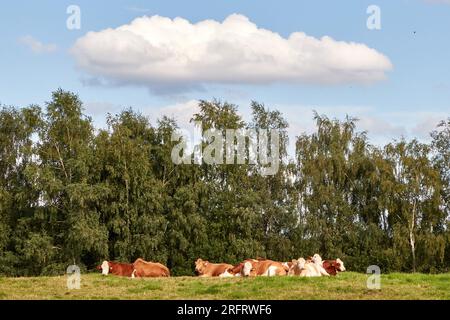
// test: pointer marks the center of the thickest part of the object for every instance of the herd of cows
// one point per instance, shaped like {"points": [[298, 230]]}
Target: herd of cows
{"points": [[311, 267]]}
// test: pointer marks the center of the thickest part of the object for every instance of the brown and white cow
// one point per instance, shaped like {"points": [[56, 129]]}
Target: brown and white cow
{"points": [[260, 267], [287, 265], [208, 269], [318, 264], [118, 269], [144, 269], [333, 267], [245, 269], [308, 268], [301, 267]]}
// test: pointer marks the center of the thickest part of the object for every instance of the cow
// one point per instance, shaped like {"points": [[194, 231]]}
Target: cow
{"points": [[260, 267], [144, 269], [290, 264], [245, 268], [333, 267], [118, 269], [300, 267], [208, 269], [318, 264], [287, 265], [308, 268], [270, 268]]}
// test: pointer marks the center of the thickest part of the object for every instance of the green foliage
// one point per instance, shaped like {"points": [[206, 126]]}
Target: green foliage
{"points": [[71, 194]]}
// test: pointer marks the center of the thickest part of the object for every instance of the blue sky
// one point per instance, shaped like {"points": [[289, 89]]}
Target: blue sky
{"points": [[37, 58]]}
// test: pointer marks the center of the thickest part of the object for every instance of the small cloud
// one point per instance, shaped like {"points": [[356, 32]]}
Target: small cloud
{"points": [[426, 125], [182, 112], [36, 46], [99, 108], [379, 126]]}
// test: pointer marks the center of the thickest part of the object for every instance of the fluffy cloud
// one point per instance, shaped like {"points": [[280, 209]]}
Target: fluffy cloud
{"points": [[36, 46], [165, 54]]}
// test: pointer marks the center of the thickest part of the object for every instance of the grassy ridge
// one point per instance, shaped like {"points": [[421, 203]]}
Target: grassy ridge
{"points": [[347, 285]]}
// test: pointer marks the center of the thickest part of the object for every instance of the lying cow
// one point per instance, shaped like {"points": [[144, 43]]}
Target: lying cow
{"points": [[118, 269], [287, 265], [318, 263], [144, 269], [308, 268], [208, 269], [245, 268], [299, 268], [333, 267], [260, 267]]}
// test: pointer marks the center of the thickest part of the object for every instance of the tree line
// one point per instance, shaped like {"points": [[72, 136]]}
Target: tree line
{"points": [[71, 193]]}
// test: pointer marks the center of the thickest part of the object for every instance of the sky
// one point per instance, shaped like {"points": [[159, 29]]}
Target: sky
{"points": [[160, 57]]}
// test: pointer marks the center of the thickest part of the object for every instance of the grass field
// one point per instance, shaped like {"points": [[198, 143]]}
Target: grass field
{"points": [[348, 285]]}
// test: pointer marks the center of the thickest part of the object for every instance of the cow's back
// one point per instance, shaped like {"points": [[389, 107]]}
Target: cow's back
{"points": [[150, 269], [219, 269], [270, 268], [330, 267], [122, 269]]}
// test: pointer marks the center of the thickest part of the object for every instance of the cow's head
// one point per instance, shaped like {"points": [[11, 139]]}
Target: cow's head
{"points": [[247, 269], [297, 265], [340, 265], [301, 263], [200, 266], [317, 259], [105, 267]]}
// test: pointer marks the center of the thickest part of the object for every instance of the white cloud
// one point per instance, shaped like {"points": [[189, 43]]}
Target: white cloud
{"points": [[36, 46], [422, 123], [380, 126], [101, 108], [168, 55]]}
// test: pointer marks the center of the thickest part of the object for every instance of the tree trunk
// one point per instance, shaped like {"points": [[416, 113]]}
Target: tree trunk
{"points": [[412, 240], [413, 250]]}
